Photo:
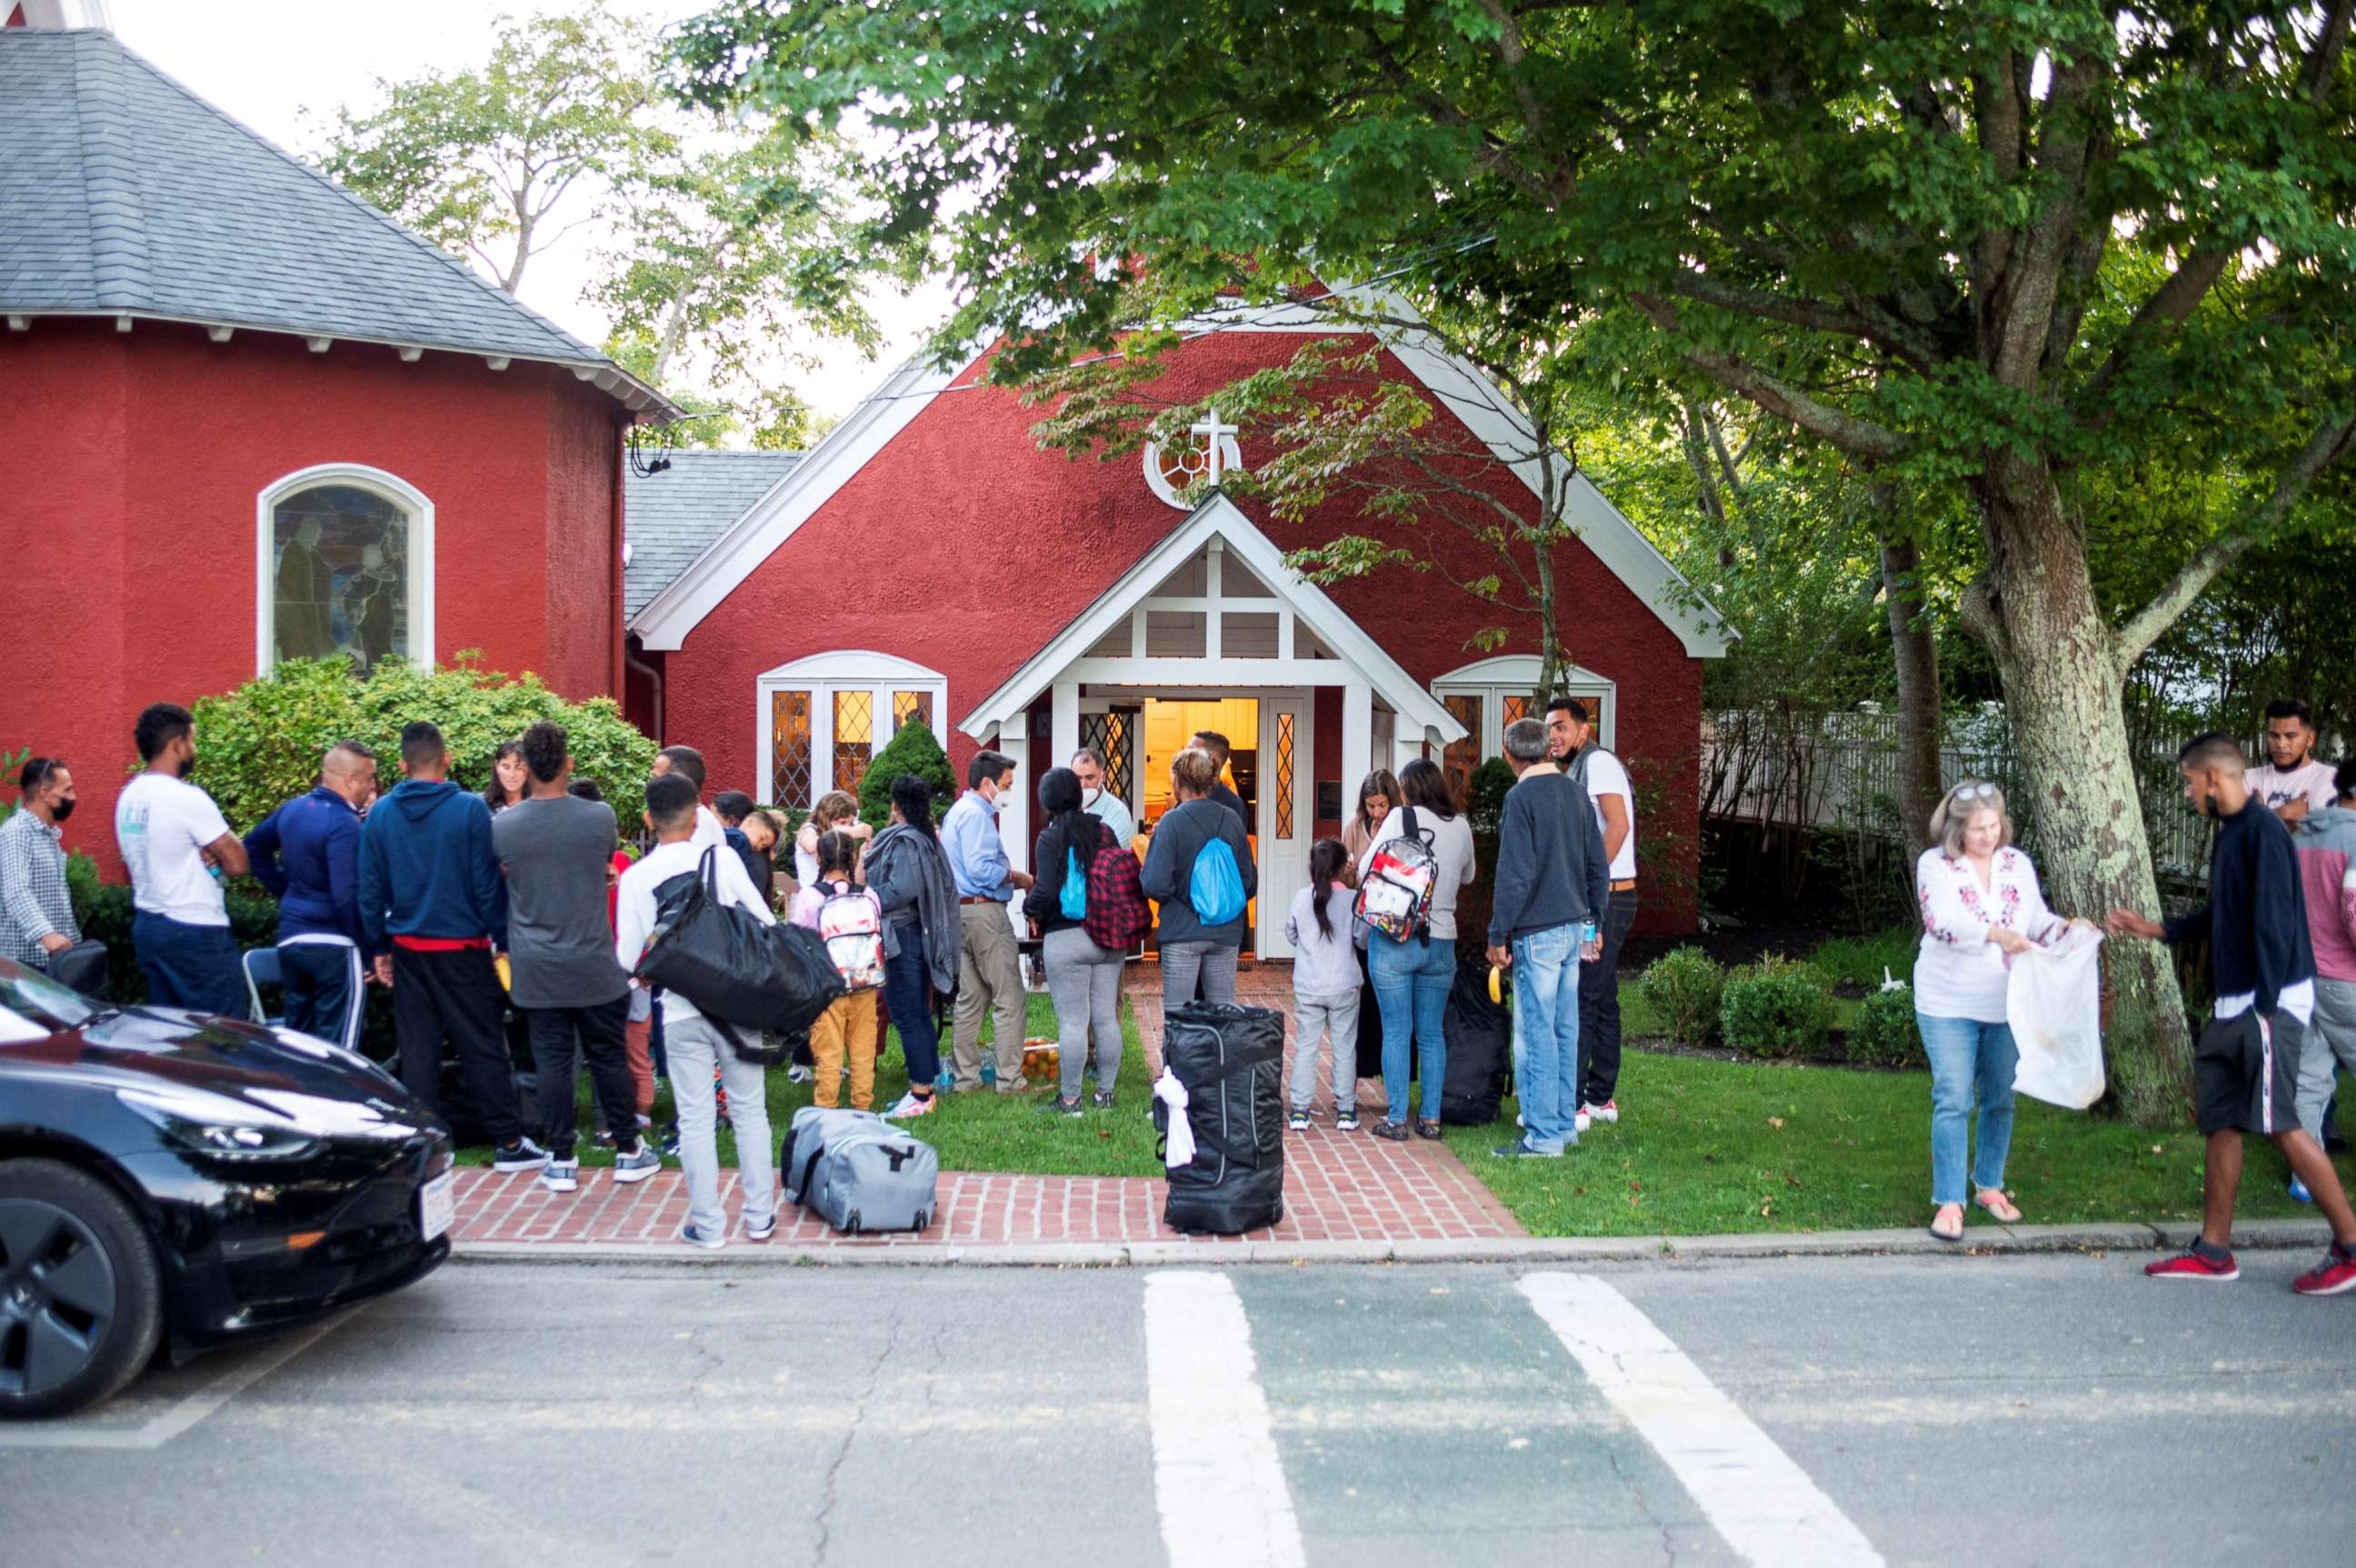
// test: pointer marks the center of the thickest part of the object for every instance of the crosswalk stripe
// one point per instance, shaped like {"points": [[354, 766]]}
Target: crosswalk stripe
{"points": [[1750, 1491], [1217, 1482]]}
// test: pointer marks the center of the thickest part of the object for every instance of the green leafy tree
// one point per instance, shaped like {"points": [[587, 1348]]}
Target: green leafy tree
{"points": [[261, 744], [1983, 247], [911, 750]]}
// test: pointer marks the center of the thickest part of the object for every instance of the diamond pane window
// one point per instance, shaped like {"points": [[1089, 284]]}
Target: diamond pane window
{"points": [[1463, 756], [789, 749], [906, 705], [1515, 708], [1284, 775], [855, 738]]}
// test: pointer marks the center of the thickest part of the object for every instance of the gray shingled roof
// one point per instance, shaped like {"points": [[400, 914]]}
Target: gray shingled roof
{"points": [[121, 191], [676, 515]]}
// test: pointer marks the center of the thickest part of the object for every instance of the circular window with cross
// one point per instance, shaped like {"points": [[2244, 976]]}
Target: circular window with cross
{"points": [[1210, 451]]}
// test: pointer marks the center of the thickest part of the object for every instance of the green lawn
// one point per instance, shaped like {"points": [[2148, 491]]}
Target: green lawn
{"points": [[1709, 1147], [978, 1131]]}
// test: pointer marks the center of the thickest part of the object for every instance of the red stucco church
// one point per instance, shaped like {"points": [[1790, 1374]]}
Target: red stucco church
{"points": [[269, 422]]}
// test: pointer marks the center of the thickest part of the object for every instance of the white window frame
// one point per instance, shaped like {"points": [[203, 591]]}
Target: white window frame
{"points": [[359, 476], [824, 675], [1516, 675]]}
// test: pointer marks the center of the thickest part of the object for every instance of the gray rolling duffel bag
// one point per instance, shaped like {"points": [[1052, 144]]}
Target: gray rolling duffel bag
{"points": [[859, 1173], [806, 1139]]}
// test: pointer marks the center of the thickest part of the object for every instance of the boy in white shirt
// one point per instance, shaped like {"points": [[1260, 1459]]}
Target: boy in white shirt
{"points": [[694, 1046], [178, 847], [2292, 783]]}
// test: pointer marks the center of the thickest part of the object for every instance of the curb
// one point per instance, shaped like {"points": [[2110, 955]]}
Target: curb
{"points": [[1978, 1241]]}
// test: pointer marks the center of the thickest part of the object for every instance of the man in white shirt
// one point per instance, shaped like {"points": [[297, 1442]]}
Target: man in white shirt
{"points": [[688, 763], [2292, 783], [1572, 740], [178, 847], [695, 1049]]}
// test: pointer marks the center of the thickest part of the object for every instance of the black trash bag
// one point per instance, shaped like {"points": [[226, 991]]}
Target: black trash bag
{"points": [[1231, 1061], [1480, 1035], [774, 979], [1370, 1028]]}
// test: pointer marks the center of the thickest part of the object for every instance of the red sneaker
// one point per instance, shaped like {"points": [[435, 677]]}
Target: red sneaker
{"points": [[2189, 1265], [2335, 1276]]}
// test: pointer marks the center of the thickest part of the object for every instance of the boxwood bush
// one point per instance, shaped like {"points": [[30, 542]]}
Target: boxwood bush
{"points": [[1884, 1032], [913, 749], [1685, 987], [1776, 1008]]}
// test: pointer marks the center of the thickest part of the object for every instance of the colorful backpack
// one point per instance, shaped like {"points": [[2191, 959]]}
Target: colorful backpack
{"points": [[1118, 914], [852, 928], [1395, 896]]}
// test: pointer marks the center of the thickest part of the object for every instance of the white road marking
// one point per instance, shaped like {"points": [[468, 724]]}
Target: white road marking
{"points": [[1217, 1482], [182, 1413], [1749, 1489]]}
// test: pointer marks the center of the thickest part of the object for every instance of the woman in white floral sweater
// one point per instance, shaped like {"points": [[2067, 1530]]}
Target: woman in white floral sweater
{"points": [[1980, 907]]}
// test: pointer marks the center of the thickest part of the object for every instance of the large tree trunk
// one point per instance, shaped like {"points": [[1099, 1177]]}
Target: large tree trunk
{"points": [[1920, 711], [2059, 659]]}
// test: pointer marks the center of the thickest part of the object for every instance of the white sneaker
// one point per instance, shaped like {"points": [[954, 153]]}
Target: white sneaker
{"points": [[911, 1104], [1608, 1111], [1579, 1121], [761, 1232], [800, 1075], [636, 1164], [560, 1176]]}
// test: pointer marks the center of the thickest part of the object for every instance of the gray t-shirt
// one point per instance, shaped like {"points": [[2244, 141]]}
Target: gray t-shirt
{"points": [[556, 852]]}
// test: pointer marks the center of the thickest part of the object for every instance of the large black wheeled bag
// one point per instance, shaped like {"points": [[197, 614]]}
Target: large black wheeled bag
{"points": [[1480, 1035], [1231, 1061]]}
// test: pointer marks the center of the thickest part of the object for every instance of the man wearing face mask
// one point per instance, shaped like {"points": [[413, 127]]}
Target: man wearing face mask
{"points": [[2245, 1068], [990, 971], [1097, 800], [178, 847], [36, 910]]}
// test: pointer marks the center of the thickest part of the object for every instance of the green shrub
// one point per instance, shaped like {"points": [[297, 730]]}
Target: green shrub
{"points": [[253, 920], [1861, 961], [1884, 1032], [1776, 1008], [914, 750], [1685, 988], [1484, 795], [261, 743]]}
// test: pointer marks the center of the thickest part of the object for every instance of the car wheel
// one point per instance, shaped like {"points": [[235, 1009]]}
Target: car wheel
{"points": [[81, 1299]]}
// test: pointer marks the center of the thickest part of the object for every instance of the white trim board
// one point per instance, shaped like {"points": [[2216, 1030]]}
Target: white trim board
{"points": [[1218, 518], [1456, 384]]}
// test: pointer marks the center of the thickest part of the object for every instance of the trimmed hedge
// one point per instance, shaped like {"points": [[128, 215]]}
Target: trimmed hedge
{"points": [[913, 749], [1885, 1033], [1685, 988], [1776, 1009]]}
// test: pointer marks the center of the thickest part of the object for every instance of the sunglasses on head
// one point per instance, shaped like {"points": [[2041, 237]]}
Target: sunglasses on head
{"points": [[1974, 792]]}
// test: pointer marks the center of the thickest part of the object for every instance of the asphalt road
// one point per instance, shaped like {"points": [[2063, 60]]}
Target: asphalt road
{"points": [[1968, 1411]]}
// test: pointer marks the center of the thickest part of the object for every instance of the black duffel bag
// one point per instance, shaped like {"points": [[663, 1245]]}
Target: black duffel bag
{"points": [[1231, 1061], [1480, 1036], [737, 969], [81, 967]]}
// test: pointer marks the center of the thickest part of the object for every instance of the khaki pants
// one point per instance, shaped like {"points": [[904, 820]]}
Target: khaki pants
{"points": [[848, 1025], [990, 980]]}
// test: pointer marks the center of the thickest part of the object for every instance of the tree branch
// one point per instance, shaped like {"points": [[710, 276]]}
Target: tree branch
{"points": [[2331, 439], [1858, 437], [1865, 323]]}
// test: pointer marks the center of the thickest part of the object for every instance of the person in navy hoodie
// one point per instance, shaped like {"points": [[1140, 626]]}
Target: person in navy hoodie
{"points": [[307, 853], [431, 903]]}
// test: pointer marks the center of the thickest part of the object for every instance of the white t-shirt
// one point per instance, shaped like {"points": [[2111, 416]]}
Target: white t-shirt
{"points": [[2312, 783], [160, 824], [1606, 776], [634, 905]]}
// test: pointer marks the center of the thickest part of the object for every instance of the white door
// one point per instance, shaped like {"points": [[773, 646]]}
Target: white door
{"points": [[1286, 823]]}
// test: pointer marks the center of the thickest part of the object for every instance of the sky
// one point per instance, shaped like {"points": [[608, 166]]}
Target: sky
{"points": [[268, 61]]}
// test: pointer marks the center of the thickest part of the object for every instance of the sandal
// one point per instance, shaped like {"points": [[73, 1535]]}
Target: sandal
{"points": [[1395, 1130], [1955, 1235], [2007, 1215], [1429, 1128]]}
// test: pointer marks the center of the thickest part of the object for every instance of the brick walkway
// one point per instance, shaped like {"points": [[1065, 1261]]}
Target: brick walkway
{"points": [[1339, 1187]]}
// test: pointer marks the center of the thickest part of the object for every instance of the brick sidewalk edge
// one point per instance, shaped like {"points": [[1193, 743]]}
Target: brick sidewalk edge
{"points": [[1979, 1240]]}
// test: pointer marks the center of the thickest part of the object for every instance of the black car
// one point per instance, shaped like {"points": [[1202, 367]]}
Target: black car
{"points": [[176, 1177]]}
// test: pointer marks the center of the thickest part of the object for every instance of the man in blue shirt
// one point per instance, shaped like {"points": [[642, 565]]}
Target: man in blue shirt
{"points": [[989, 971], [307, 854]]}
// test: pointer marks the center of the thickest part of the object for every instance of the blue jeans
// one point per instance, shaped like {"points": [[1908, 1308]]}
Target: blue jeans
{"points": [[1964, 1054], [908, 993], [1411, 983], [194, 967], [1545, 1036]]}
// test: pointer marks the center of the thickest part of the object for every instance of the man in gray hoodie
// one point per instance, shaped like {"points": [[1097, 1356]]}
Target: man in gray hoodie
{"points": [[1552, 882]]}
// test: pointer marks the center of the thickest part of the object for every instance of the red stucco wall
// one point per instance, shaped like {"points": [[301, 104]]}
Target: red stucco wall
{"points": [[127, 518], [966, 549]]}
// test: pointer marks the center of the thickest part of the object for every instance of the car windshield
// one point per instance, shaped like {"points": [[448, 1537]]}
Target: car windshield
{"points": [[27, 991]]}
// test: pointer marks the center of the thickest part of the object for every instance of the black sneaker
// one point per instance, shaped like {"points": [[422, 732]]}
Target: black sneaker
{"points": [[523, 1154], [669, 1146], [1101, 1100], [1395, 1130], [1056, 1105]]}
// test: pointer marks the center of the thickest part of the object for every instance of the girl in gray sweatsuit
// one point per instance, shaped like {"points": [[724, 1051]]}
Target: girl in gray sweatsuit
{"points": [[1324, 985]]}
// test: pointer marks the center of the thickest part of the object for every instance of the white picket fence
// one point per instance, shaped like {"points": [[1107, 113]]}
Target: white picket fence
{"points": [[1839, 771]]}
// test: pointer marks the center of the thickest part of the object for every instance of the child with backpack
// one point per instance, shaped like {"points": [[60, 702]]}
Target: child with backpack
{"points": [[1324, 986], [1199, 870], [851, 922]]}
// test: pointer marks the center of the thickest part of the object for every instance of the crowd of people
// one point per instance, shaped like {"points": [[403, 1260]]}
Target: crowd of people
{"points": [[521, 908]]}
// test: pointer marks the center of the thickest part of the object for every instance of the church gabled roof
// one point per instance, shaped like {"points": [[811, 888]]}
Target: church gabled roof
{"points": [[672, 517], [123, 193]]}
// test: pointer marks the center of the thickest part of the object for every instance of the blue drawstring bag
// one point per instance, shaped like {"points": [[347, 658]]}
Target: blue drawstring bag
{"points": [[1216, 887], [1074, 899]]}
